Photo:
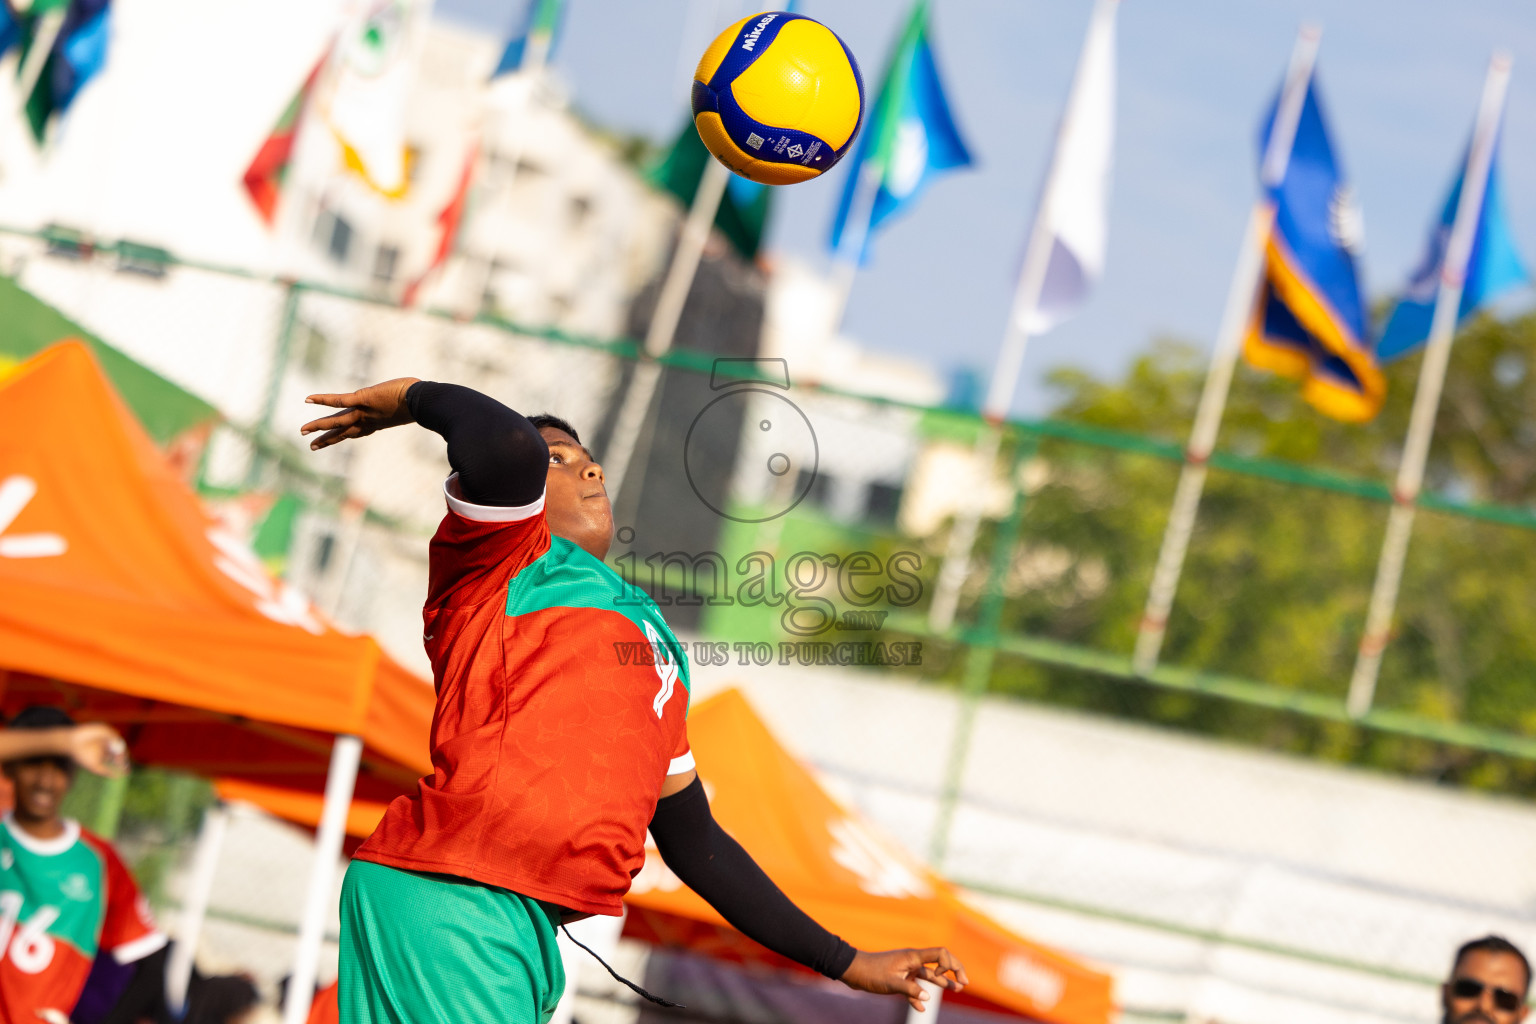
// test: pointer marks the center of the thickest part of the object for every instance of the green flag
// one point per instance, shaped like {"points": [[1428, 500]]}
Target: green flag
{"points": [[910, 140], [743, 210]]}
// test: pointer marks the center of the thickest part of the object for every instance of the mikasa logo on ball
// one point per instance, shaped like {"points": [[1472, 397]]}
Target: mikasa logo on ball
{"points": [[757, 30], [777, 98]]}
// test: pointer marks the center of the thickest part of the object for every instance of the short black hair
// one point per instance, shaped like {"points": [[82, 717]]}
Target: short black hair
{"points": [[41, 716], [1494, 944], [544, 419]]}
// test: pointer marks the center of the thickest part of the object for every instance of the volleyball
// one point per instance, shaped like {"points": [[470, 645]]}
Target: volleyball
{"points": [[778, 98]]}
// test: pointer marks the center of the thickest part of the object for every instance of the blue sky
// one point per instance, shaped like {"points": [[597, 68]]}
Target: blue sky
{"points": [[1400, 81]]}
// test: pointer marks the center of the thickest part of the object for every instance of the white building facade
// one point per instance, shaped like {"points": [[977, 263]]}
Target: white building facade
{"points": [[558, 236]]}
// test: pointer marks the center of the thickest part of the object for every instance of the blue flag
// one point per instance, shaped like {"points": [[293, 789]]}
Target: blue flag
{"points": [[1310, 321], [83, 49], [911, 136], [1493, 270], [10, 31], [541, 28]]}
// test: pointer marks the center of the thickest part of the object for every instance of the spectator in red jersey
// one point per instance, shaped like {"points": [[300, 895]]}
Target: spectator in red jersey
{"points": [[64, 893]]}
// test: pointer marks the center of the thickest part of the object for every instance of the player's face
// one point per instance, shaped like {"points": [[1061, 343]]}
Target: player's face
{"points": [[575, 498], [41, 784], [1497, 979]]}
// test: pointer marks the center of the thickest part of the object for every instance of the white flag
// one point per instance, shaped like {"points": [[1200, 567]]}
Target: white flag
{"points": [[373, 78], [1075, 204]]}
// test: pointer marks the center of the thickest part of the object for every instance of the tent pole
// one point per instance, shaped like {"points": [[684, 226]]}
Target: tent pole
{"points": [[194, 907], [340, 782]]}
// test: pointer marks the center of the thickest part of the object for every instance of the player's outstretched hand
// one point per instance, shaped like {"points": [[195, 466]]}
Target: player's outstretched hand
{"points": [[362, 412], [98, 748], [898, 971]]}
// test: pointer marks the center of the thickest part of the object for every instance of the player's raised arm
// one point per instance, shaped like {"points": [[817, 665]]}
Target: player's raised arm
{"points": [[498, 454], [362, 412], [716, 867]]}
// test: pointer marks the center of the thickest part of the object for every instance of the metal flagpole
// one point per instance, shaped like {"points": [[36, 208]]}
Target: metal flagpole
{"points": [[1426, 400], [658, 339], [962, 538], [1005, 380], [340, 781], [1218, 379], [619, 458], [850, 249], [31, 70]]}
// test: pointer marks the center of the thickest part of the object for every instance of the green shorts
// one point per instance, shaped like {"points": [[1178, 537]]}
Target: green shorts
{"points": [[420, 949]]}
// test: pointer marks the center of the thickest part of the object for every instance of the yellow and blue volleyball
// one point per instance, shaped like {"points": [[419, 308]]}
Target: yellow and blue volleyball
{"points": [[778, 98]]}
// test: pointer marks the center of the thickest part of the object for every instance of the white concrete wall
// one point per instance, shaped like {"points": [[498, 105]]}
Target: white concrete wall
{"points": [[139, 158]]}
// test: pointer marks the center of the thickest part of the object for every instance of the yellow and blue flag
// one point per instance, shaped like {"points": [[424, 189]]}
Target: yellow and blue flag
{"points": [[1493, 270], [1310, 320], [912, 136]]}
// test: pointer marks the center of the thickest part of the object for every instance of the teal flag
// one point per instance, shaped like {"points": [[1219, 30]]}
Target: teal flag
{"points": [[540, 31], [911, 136], [743, 211]]}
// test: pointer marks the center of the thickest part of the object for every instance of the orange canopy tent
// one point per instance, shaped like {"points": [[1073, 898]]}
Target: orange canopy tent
{"points": [[838, 869], [847, 876], [122, 599], [304, 808]]}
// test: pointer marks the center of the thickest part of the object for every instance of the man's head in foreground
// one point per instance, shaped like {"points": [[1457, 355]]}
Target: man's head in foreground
{"points": [[1488, 984], [575, 499], [41, 783]]}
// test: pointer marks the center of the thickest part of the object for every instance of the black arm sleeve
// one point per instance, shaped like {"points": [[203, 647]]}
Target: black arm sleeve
{"points": [[715, 866], [498, 454]]}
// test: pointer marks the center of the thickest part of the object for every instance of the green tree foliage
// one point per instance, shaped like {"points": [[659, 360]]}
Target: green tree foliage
{"points": [[1278, 576], [161, 813]]}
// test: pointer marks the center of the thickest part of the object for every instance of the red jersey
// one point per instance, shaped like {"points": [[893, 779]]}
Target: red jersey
{"points": [[61, 900], [562, 697]]}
